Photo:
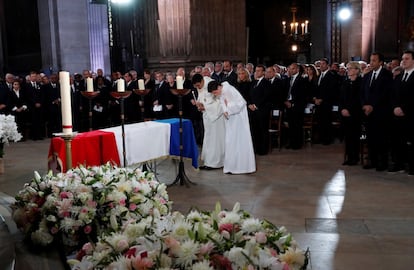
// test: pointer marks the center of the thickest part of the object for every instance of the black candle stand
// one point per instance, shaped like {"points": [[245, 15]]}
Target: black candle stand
{"points": [[90, 96], [142, 93], [181, 176], [121, 96]]}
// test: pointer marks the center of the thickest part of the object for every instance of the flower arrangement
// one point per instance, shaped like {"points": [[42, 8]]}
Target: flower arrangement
{"points": [[119, 218], [84, 203], [200, 240], [8, 131]]}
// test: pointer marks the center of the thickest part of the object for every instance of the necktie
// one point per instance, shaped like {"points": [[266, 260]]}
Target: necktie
{"points": [[405, 77], [321, 77], [373, 78], [289, 96]]}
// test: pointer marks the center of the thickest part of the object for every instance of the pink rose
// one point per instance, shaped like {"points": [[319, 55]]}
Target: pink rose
{"points": [[54, 230], [122, 202], [87, 229], [87, 248], [132, 207], [260, 237]]}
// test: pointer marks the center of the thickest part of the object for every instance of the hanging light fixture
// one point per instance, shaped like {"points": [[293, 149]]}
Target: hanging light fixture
{"points": [[298, 29]]}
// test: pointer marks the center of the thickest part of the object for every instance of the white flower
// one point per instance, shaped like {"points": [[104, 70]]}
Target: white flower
{"points": [[121, 263], [251, 225], [180, 229], [230, 217], [203, 265], [8, 129], [119, 242], [187, 253], [293, 257], [134, 230], [236, 256]]}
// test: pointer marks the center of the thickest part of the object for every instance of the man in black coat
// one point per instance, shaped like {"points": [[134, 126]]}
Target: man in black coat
{"points": [[325, 97], [295, 88], [375, 93], [259, 111], [230, 75], [403, 110], [36, 100]]}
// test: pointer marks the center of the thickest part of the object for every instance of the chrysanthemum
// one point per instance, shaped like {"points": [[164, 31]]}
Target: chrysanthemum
{"points": [[251, 225], [236, 256], [203, 265], [187, 253], [295, 258]]}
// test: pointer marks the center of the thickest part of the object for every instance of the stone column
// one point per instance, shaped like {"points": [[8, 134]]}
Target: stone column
{"points": [[74, 35]]}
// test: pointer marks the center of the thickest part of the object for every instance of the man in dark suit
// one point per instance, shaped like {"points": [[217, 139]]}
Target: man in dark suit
{"points": [[218, 73], [403, 110], [132, 109], [230, 75], [259, 111], [295, 88], [375, 92], [36, 100], [5, 88], [276, 93], [325, 97], [51, 89]]}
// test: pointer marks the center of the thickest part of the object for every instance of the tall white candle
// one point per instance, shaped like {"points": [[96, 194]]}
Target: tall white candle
{"points": [[120, 85], [66, 102], [141, 84], [180, 82], [284, 27], [89, 85], [306, 26], [303, 28], [296, 28]]}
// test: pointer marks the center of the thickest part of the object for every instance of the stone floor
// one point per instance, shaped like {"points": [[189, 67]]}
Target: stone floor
{"points": [[349, 218]]}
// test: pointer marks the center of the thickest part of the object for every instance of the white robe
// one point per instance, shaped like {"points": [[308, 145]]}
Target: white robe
{"points": [[212, 152], [239, 154]]}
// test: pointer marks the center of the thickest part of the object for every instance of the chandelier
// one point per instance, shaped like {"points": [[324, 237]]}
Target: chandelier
{"points": [[299, 30]]}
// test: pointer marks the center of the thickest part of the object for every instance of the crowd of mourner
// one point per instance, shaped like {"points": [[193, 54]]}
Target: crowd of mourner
{"points": [[373, 101]]}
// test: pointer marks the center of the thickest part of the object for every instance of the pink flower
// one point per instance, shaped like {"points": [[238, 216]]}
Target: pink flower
{"points": [[206, 248], [132, 207], [54, 230], [122, 202], [65, 195], [87, 248], [286, 267], [260, 237], [87, 229], [122, 245], [228, 227], [172, 244], [142, 263], [92, 204]]}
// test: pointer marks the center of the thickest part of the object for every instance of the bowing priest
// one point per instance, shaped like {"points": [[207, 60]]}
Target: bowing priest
{"points": [[238, 153], [212, 152]]}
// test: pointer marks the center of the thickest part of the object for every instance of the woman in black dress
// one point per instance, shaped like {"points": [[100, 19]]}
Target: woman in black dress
{"points": [[351, 112]]}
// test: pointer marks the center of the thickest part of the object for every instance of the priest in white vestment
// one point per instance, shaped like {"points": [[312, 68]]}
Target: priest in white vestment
{"points": [[238, 154], [212, 151]]}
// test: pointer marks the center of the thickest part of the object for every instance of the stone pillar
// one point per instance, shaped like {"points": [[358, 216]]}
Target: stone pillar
{"points": [[99, 38], [74, 35]]}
